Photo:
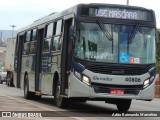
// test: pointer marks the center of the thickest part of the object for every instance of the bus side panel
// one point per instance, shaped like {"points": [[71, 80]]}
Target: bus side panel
{"points": [[46, 75], [52, 66], [27, 68], [46, 83]]}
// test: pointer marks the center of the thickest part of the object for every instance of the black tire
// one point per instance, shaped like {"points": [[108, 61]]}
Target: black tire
{"points": [[60, 101], [79, 100], [27, 93], [82, 101], [123, 105], [37, 97]]}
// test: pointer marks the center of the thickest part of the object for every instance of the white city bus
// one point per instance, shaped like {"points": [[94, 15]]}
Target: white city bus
{"points": [[97, 52]]}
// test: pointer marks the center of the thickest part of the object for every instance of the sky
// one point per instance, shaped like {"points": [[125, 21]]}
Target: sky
{"points": [[23, 12]]}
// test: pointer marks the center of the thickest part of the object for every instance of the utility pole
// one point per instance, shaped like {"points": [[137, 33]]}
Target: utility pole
{"points": [[13, 26], [127, 2]]}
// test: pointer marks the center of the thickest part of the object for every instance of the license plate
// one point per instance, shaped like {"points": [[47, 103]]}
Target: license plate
{"points": [[117, 92]]}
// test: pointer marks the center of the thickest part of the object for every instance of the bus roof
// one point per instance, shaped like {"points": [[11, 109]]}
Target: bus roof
{"points": [[48, 18], [115, 5], [73, 9]]}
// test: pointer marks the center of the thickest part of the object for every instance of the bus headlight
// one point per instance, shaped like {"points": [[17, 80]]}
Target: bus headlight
{"points": [[86, 80], [148, 82]]}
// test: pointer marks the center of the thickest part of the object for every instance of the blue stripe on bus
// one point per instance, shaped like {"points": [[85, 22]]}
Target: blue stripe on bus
{"points": [[152, 72], [77, 67]]}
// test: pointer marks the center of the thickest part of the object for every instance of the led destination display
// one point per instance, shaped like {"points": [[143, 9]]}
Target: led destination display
{"points": [[115, 13], [118, 13]]}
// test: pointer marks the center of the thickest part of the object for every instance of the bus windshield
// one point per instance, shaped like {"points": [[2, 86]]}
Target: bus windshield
{"points": [[93, 44]]}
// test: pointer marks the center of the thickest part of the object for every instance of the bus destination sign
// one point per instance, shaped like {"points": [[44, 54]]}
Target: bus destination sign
{"points": [[117, 13]]}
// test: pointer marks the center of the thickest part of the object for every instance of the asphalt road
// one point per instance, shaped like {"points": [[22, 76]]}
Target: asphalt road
{"points": [[11, 99]]}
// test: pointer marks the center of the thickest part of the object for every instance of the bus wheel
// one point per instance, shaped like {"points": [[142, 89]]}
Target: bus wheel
{"points": [[37, 97], [59, 100], [27, 93], [123, 105]]}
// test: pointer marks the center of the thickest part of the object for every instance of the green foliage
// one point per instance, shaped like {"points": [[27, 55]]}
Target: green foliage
{"points": [[158, 51]]}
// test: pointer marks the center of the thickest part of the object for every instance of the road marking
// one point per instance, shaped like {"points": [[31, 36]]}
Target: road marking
{"points": [[45, 108], [77, 118]]}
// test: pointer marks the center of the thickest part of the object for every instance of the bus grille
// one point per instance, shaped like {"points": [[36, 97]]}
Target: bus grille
{"points": [[118, 69], [128, 89]]}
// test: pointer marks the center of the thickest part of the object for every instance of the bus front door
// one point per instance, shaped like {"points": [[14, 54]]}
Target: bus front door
{"points": [[66, 55]]}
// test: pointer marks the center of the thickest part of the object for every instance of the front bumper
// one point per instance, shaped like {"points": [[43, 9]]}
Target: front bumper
{"points": [[79, 89]]}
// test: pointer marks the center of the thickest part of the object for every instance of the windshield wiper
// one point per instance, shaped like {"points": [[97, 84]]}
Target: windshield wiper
{"points": [[105, 31], [130, 37], [133, 33]]}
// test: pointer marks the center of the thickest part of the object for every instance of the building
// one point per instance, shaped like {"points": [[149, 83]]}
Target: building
{"points": [[9, 59], [2, 56]]}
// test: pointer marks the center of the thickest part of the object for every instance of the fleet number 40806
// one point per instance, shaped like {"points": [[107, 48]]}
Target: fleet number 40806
{"points": [[132, 79]]}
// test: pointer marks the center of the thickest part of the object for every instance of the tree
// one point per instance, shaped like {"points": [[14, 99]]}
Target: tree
{"points": [[158, 56], [158, 51]]}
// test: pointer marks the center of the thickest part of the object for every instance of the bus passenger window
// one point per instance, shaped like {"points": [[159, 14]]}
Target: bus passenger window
{"points": [[26, 44], [57, 36], [28, 36], [60, 42], [33, 42], [57, 42], [33, 47], [34, 35], [48, 36], [46, 46], [49, 30]]}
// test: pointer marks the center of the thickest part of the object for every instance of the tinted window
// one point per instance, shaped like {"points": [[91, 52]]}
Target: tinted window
{"points": [[47, 39], [28, 35], [49, 30], [34, 35], [58, 27], [57, 36]]}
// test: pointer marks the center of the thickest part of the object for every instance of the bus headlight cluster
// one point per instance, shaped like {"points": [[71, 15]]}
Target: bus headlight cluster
{"points": [[84, 78], [148, 82]]}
